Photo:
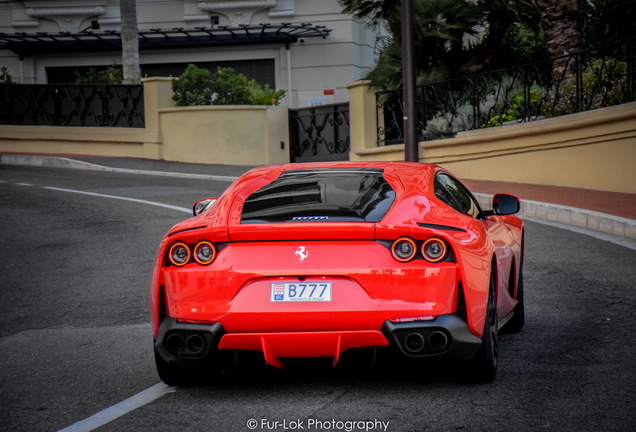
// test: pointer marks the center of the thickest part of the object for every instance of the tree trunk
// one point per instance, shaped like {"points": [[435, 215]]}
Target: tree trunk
{"points": [[129, 42], [562, 26]]}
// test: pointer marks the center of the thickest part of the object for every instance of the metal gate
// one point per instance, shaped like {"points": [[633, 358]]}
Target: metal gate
{"points": [[319, 133]]}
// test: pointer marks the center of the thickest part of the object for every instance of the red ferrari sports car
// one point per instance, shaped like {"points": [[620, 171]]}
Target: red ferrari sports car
{"points": [[318, 260]]}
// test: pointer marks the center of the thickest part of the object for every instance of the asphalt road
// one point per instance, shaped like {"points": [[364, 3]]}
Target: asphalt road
{"points": [[75, 342]]}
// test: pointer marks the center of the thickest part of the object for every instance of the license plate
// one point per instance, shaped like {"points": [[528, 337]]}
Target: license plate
{"points": [[301, 292]]}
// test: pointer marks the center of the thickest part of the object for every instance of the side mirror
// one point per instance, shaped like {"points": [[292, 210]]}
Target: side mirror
{"points": [[504, 204], [202, 205]]}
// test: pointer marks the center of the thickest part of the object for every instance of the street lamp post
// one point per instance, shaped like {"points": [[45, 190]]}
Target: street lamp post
{"points": [[411, 145]]}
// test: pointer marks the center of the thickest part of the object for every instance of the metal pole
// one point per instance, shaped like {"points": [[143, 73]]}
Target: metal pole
{"points": [[411, 145], [290, 99]]}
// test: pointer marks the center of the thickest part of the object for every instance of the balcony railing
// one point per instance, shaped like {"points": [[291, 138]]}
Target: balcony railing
{"points": [[72, 105], [566, 85]]}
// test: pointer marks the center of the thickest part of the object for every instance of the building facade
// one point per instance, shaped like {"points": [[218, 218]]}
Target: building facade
{"points": [[307, 47]]}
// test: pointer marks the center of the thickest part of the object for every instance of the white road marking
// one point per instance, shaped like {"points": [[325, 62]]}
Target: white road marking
{"points": [[146, 396], [124, 407], [168, 206], [159, 390], [140, 399]]}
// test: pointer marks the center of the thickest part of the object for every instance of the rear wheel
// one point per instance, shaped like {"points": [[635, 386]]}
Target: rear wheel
{"points": [[200, 373], [484, 364], [519, 315]]}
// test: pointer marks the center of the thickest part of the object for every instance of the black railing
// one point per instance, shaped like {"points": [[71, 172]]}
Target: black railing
{"points": [[566, 85], [72, 105], [319, 133]]}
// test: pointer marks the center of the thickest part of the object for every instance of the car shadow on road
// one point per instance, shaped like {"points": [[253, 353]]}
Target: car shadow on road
{"points": [[360, 367]]}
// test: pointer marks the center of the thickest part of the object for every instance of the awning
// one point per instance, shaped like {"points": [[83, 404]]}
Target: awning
{"points": [[25, 44]]}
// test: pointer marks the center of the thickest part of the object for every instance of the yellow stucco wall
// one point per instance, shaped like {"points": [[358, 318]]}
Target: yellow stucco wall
{"points": [[235, 135], [592, 150], [95, 141]]}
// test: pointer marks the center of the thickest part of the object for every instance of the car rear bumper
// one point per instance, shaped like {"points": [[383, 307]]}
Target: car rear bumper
{"points": [[446, 335], [278, 346]]}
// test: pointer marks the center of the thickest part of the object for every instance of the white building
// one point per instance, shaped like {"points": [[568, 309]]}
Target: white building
{"points": [[306, 46]]}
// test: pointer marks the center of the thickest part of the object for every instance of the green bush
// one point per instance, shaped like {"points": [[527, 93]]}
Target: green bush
{"points": [[264, 95], [516, 111], [604, 83], [224, 87], [230, 88], [111, 75], [193, 87]]}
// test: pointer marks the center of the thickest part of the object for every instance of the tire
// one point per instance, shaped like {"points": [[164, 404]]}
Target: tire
{"points": [[184, 375], [484, 364], [519, 314]]}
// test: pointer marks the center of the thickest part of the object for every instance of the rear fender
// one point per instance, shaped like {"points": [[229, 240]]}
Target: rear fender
{"points": [[476, 296], [475, 261]]}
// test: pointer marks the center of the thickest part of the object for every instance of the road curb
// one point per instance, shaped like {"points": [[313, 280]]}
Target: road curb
{"points": [[60, 162], [571, 216]]}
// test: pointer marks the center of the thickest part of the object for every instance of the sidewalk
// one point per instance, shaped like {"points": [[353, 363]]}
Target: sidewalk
{"points": [[613, 203], [606, 212]]}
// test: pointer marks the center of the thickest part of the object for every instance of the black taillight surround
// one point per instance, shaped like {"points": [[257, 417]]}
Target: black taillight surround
{"points": [[420, 244], [194, 255]]}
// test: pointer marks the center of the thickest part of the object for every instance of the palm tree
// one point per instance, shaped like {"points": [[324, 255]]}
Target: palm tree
{"points": [[440, 26], [513, 33], [608, 22], [373, 11], [562, 27], [130, 42]]}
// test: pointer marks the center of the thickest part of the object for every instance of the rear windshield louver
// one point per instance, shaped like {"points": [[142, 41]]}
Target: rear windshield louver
{"points": [[321, 196]]}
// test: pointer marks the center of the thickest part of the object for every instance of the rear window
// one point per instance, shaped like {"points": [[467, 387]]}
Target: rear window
{"points": [[334, 195]]}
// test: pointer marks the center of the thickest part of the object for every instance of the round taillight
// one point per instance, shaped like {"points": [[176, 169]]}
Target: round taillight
{"points": [[204, 252], [404, 249], [179, 254], [434, 250]]}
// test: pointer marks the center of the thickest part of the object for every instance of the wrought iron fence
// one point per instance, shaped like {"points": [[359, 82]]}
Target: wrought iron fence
{"points": [[72, 105], [319, 133], [566, 85]]}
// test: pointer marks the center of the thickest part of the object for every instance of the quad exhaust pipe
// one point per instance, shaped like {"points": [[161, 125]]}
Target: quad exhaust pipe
{"points": [[175, 343], [414, 342], [438, 341], [195, 344], [417, 343], [192, 344]]}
